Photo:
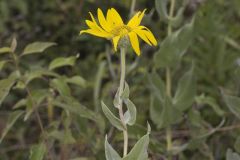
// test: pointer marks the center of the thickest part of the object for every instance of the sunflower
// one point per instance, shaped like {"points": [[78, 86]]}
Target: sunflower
{"points": [[113, 28]]}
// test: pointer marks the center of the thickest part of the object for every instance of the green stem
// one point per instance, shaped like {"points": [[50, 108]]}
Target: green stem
{"points": [[168, 92], [132, 7], [16, 63], [168, 79], [171, 12], [121, 88]]}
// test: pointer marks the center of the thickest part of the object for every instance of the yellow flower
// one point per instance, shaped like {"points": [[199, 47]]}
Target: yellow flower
{"points": [[113, 28]]}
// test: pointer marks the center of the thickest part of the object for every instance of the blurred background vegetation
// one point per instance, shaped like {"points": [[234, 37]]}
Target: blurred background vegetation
{"points": [[214, 50]]}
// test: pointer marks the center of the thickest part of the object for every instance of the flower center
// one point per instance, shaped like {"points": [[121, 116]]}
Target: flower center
{"points": [[121, 30]]}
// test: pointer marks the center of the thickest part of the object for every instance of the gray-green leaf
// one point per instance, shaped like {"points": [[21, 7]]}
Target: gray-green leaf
{"points": [[186, 91], [202, 99], [139, 151], [110, 153], [157, 85], [161, 7], [233, 104], [126, 91], [174, 47], [37, 47], [169, 114], [131, 113], [112, 118], [232, 156]]}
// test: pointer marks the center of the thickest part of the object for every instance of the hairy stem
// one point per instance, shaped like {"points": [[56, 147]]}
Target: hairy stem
{"points": [[121, 88]]}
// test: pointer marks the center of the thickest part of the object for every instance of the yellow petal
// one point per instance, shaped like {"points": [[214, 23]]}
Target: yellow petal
{"points": [[93, 19], [114, 17], [92, 25], [109, 17], [134, 42], [136, 20], [149, 35], [115, 42], [95, 33], [103, 21], [142, 35], [141, 16]]}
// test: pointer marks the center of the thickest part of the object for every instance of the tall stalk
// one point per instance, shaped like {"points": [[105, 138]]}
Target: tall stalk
{"points": [[168, 78], [121, 88]]}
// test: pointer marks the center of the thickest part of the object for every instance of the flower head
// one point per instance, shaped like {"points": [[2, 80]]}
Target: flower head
{"points": [[113, 28]]}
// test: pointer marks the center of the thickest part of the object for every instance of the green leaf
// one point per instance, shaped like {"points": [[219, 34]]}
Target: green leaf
{"points": [[83, 158], [2, 64], [174, 47], [177, 20], [131, 113], [112, 118], [34, 74], [195, 118], [73, 106], [39, 73], [62, 61], [38, 151], [68, 137], [186, 91], [157, 86], [232, 156], [37, 47], [110, 153], [5, 50], [33, 101], [61, 86], [98, 84], [233, 104], [169, 114], [139, 150], [237, 144], [161, 7], [13, 44], [77, 80], [5, 86], [156, 107], [20, 103], [116, 99], [13, 117], [126, 91], [202, 99]]}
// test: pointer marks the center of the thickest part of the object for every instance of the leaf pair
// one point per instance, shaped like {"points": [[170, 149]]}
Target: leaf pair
{"points": [[129, 115], [165, 110], [161, 7], [174, 47], [138, 152]]}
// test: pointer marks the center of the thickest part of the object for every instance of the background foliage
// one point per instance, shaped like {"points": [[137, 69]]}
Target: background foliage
{"points": [[52, 75]]}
